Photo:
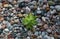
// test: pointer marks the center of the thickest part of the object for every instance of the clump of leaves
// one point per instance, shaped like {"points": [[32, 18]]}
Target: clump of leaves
{"points": [[29, 21]]}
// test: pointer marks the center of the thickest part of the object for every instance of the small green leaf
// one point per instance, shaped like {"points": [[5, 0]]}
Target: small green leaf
{"points": [[29, 21]]}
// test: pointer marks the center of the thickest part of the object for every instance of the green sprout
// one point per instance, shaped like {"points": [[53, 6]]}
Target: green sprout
{"points": [[29, 21]]}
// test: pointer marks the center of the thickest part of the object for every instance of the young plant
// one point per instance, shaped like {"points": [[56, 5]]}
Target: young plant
{"points": [[29, 21]]}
